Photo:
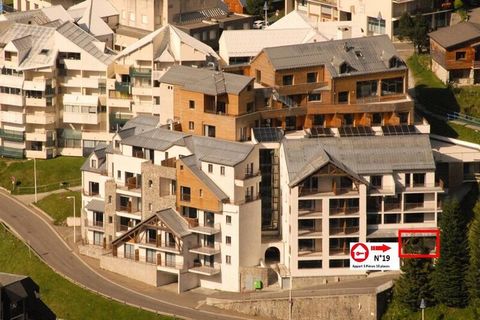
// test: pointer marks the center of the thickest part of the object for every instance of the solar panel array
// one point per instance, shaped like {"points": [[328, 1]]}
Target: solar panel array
{"points": [[266, 134], [398, 130], [318, 132], [355, 131]]}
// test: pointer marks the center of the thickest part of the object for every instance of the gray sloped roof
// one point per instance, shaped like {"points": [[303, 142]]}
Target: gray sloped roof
{"points": [[191, 163], [454, 35], [174, 221], [96, 205], [205, 80], [9, 278], [158, 139], [358, 155], [218, 151], [364, 55]]}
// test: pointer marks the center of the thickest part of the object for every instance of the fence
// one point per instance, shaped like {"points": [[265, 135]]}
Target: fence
{"points": [[47, 187], [463, 117]]}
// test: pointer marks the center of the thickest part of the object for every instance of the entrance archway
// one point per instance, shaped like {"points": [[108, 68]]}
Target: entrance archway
{"points": [[272, 255]]}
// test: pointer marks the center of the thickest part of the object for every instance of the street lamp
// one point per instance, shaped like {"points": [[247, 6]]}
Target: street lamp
{"points": [[265, 8], [74, 220], [422, 307]]}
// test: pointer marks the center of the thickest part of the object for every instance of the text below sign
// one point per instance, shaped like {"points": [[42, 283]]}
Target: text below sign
{"points": [[374, 256]]}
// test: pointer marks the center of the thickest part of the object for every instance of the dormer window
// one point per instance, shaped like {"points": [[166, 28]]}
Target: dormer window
{"points": [[93, 163], [345, 68], [395, 62]]}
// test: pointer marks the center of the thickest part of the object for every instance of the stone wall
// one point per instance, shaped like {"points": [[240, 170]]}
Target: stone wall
{"points": [[110, 207], [151, 185], [339, 307], [248, 275]]}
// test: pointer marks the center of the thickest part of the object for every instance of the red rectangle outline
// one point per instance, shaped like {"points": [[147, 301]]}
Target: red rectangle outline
{"points": [[413, 256]]}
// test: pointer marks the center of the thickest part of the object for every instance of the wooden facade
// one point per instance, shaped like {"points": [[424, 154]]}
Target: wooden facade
{"points": [[235, 6], [464, 56]]}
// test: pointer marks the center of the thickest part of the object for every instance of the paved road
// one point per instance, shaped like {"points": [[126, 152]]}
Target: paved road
{"points": [[55, 253]]}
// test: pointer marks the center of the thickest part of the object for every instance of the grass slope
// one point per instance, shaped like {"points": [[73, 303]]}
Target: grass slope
{"points": [[59, 207], [67, 300]]}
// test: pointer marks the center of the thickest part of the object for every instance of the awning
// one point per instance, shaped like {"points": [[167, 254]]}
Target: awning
{"points": [[80, 100], [96, 205], [34, 85]]}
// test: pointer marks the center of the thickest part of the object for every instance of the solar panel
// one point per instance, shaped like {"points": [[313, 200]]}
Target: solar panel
{"points": [[266, 134], [355, 131], [398, 130], [318, 132]]}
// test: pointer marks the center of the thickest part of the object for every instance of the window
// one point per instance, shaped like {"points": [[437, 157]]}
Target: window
{"points": [[311, 77], [310, 264], [318, 119], [129, 251], [460, 55], [228, 219], [94, 163], [367, 88], [345, 68], [98, 238], [185, 194], [109, 199], [210, 168], [150, 183], [191, 125], [258, 75], [403, 117], [119, 174], [222, 170], [150, 256], [228, 259], [315, 97], [150, 207], [376, 181], [419, 179], [250, 107], [228, 240], [343, 97], [191, 104], [375, 25], [348, 119], [110, 219], [144, 19], [377, 119], [288, 80], [213, 34], [200, 193], [392, 86]]}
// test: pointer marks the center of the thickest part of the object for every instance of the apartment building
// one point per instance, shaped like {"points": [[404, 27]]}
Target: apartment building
{"points": [[358, 82], [373, 16], [171, 207], [53, 97], [133, 79], [455, 53], [352, 189], [210, 103]]}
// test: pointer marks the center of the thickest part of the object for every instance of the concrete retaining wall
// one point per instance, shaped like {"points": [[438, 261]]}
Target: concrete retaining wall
{"points": [[144, 272]]}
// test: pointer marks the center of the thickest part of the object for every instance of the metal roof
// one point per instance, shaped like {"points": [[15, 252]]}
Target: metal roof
{"points": [[359, 155], [174, 221], [205, 80], [157, 139], [457, 34], [96, 205], [363, 55]]}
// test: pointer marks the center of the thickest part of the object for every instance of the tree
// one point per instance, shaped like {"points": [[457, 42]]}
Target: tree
{"points": [[415, 282], [473, 273], [457, 4], [450, 271], [255, 7], [405, 26], [420, 33]]}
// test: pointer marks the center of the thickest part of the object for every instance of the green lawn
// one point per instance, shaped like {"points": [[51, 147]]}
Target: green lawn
{"points": [[59, 207], [67, 300], [436, 97], [50, 173]]}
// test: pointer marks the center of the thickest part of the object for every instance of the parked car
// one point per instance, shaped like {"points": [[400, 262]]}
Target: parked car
{"points": [[258, 24]]}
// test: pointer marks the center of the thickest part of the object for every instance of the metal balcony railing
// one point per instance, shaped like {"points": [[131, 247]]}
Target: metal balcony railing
{"points": [[12, 135], [124, 87], [140, 72]]}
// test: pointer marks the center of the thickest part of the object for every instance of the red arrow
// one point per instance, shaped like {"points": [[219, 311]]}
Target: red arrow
{"points": [[382, 248]]}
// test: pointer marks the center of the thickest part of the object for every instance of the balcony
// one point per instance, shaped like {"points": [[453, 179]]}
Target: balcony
{"points": [[205, 270], [81, 82], [417, 206], [38, 102], [344, 211], [44, 153], [422, 186], [11, 153], [140, 72], [206, 250], [142, 91], [207, 229], [392, 206], [127, 209], [309, 252], [170, 162], [40, 118], [81, 118], [310, 232], [120, 102], [192, 222], [95, 224], [340, 231], [339, 251], [307, 213], [11, 135], [123, 87], [91, 193], [37, 136], [172, 247], [13, 117], [170, 265], [307, 192], [12, 99]]}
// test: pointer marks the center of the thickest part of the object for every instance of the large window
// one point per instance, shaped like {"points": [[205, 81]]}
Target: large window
{"points": [[98, 238], [311, 77], [150, 255], [376, 25], [392, 86], [129, 252], [343, 97], [288, 80], [460, 55], [367, 88]]}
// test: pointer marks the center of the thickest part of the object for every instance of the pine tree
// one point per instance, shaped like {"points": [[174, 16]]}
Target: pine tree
{"points": [[449, 275], [420, 33], [415, 282], [405, 27], [473, 273], [255, 7]]}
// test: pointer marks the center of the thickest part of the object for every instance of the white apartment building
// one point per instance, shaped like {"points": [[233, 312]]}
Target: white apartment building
{"points": [[352, 189], [53, 90], [133, 79], [171, 207], [373, 16]]}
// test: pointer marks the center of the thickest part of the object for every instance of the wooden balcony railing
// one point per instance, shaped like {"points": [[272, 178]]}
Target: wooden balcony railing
{"points": [[170, 162], [344, 210]]}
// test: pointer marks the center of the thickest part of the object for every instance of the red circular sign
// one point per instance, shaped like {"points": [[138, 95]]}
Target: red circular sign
{"points": [[359, 252]]}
